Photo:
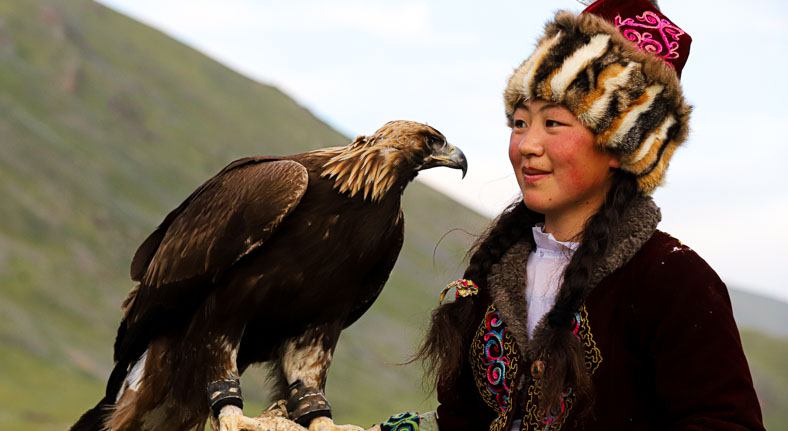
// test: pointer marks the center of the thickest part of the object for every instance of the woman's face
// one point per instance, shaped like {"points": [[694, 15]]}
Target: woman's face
{"points": [[557, 166]]}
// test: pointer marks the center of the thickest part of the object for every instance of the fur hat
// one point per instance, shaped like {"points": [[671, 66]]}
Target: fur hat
{"points": [[619, 76]]}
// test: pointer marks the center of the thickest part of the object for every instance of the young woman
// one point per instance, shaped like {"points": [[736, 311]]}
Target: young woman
{"points": [[575, 312]]}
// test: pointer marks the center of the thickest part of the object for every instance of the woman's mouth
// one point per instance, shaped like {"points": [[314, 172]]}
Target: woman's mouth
{"points": [[531, 175]]}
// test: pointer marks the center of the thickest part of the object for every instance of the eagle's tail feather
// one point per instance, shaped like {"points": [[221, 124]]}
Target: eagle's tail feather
{"points": [[94, 419]]}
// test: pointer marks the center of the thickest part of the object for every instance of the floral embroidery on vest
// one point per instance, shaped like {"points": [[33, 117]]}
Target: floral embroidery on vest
{"points": [[497, 366], [555, 420]]}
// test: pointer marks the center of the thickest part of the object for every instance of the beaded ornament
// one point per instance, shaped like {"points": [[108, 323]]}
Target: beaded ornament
{"points": [[463, 288]]}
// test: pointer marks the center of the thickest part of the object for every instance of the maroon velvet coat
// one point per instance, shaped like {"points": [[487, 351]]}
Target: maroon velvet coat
{"points": [[658, 334]]}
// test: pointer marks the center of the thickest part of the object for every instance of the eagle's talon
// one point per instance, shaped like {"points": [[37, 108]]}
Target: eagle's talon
{"points": [[327, 424], [232, 419], [277, 409]]}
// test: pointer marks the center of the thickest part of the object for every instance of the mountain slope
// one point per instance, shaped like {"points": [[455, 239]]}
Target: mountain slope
{"points": [[757, 312], [105, 125]]}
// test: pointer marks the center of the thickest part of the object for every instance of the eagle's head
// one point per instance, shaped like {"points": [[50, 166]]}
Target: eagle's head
{"points": [[392, 156]]}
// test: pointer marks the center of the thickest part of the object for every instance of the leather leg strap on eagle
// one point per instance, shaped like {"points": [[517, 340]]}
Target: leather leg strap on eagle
{"points": [[223, 393], [306, 403]]}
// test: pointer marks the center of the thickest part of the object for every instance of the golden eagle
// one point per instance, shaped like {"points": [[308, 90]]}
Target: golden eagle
{"points": [[265, 262]]}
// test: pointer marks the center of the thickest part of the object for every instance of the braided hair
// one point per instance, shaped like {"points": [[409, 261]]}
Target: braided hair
{"points": [[445, 347]]}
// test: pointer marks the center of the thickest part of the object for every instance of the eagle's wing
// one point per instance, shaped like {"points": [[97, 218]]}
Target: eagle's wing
{"points": [[225, 219]]}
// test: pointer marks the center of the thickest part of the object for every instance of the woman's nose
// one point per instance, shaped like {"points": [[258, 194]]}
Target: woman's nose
{"points": [[531, 143]]}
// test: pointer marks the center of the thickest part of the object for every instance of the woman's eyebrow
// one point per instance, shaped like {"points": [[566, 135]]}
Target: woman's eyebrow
{"points": [[544, 107], [547, 106]]}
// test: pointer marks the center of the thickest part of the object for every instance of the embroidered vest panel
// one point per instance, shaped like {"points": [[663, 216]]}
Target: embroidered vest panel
{"points": [[497, 365]]}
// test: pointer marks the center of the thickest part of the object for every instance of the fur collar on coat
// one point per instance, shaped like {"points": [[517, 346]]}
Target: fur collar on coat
{"points": [[507, 279]]}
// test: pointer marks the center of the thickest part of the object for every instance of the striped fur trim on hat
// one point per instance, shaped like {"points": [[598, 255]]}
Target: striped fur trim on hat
{"points": [[631, 100]]}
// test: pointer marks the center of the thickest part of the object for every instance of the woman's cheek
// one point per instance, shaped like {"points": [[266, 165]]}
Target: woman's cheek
{"points": [[581, 178], [514, 157], [575, 180], [569, 171], [514, 153]]}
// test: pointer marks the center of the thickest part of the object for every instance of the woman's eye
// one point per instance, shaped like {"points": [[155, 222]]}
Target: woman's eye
{"points": [[551, 123], [519, 124]]}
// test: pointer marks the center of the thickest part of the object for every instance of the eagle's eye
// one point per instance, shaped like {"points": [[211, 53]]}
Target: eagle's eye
{"points": [[435, 141]]}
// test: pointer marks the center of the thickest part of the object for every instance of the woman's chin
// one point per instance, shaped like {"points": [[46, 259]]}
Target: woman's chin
{"points": [[535, 203]]}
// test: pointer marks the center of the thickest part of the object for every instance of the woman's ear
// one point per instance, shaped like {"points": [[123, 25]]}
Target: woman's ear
{"points": [[614, 162]]}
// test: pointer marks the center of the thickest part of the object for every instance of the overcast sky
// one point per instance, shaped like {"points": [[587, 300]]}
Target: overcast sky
{"points": [[359, 63]]}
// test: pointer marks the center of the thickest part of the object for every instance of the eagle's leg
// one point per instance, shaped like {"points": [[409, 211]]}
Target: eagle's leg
{"points": [[304, 363], [224, 388]]}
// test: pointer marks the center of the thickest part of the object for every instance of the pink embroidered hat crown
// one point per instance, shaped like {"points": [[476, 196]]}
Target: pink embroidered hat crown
{"points": [[616, 66], [645, 25]]}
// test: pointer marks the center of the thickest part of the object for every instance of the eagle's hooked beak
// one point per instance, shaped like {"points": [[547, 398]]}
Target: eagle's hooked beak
{"points": [[449, 156]]}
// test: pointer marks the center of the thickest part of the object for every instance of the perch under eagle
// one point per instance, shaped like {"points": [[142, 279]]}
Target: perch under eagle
{"points": [[265, 262]]}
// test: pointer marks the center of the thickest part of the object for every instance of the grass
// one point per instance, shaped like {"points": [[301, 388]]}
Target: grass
{"points": [[767, 358]]}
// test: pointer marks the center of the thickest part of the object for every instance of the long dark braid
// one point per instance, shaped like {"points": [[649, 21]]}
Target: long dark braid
{"points": [[445, 347]]}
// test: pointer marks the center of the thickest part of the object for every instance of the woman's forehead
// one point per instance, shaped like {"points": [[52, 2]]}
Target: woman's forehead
{"points": [[540, 105]]}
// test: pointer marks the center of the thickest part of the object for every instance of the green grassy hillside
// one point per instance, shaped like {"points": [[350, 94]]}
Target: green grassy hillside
{"points": [[767, 356], [105, 125]]}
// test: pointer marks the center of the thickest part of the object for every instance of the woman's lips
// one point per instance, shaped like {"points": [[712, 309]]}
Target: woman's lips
{"points": [[531, 175]]}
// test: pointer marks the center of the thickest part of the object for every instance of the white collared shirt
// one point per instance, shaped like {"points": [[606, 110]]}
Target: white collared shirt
{"points": [[545, 269]]}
